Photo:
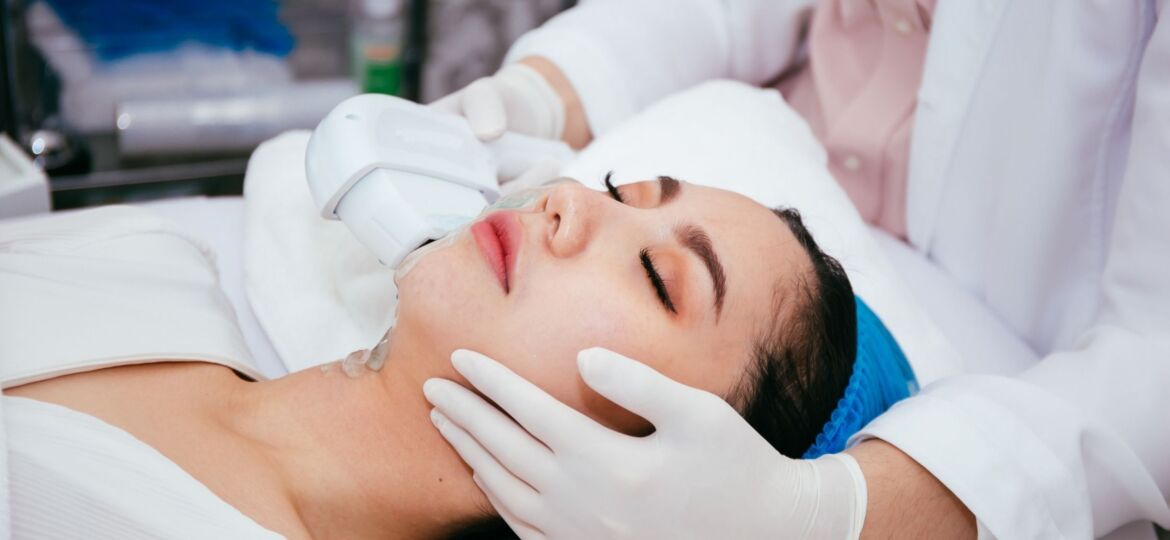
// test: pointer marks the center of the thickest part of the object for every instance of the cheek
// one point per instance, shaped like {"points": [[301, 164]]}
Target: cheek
{"points": [[641, 333], [448, 300], [549, 332], [560, 314]]}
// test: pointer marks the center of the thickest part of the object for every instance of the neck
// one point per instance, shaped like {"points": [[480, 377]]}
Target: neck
{"points": [[359, 456]]}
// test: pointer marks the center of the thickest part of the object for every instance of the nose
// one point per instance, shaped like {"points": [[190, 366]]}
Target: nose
{"points": [[570, 209]]}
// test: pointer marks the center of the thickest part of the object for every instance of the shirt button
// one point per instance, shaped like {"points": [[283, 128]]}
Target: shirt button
{"points": [[903, 26], [851, 163]]}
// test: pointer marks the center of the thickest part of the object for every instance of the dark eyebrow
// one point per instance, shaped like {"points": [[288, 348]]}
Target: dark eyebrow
{"points": [[696, 240], [667, 189]]}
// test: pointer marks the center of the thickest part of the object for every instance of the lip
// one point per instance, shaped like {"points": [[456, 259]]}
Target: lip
{"points": [[498, 238]]}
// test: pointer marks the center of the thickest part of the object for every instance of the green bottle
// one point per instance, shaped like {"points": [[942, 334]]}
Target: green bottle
{"points": [[377, 40]]}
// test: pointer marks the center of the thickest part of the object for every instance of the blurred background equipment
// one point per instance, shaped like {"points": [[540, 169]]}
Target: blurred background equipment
{"points": [[123, 100], [24, 189], [223, 123]]}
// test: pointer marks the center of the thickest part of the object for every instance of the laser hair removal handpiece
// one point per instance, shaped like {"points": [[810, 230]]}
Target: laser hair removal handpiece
{"points": [[400, 174]]}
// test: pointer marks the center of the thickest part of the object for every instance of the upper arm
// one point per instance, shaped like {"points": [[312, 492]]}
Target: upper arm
{"points": [[622, 55]]}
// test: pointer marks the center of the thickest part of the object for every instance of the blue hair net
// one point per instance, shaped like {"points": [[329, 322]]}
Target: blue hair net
{"points": [[881, 377]]}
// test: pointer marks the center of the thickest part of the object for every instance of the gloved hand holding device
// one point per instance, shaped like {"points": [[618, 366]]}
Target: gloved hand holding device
{"points": [[704, 472], [516, 99], [519, 99]]}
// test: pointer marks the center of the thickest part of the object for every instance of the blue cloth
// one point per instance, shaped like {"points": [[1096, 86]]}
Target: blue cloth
{"points": [[115, 29], [881, 377]]}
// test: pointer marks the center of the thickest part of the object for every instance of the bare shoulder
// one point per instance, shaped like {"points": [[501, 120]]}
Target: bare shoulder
{"points": [[129, 394]]}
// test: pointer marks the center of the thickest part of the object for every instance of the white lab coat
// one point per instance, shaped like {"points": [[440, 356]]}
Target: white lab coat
{"points": [[1039, 179]]}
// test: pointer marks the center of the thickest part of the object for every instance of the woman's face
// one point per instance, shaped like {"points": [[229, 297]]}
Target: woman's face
{"points": [[681, 277]]}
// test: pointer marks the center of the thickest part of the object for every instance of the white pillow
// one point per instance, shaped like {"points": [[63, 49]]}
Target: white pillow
{"points": [[745, 139]]}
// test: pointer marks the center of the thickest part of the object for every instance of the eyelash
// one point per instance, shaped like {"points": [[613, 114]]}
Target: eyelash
{"points": [[613, 192], [656, 280]]}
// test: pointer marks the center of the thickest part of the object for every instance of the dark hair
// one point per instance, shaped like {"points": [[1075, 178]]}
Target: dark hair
{"points": [[799, 368], [804, 356], [487, 526]]}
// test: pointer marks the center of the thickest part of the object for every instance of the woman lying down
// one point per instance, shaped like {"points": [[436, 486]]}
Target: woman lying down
{"points": [[706, 286]]}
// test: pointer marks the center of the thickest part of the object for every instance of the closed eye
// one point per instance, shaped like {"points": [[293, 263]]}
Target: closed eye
{"points": [[656, 280]]}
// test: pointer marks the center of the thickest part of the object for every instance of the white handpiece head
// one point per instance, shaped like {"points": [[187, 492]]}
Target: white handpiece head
{"points": [[397, 173]]}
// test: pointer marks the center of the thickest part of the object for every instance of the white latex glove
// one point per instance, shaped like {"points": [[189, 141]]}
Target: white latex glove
{"points": [[703, 473], [516, 99]]}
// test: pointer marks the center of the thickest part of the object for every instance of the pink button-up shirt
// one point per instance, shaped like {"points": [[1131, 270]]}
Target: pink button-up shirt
{"points": [[858, 94]]}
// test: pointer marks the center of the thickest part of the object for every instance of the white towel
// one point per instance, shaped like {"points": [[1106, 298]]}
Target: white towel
{"points": [[317, 292]]}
